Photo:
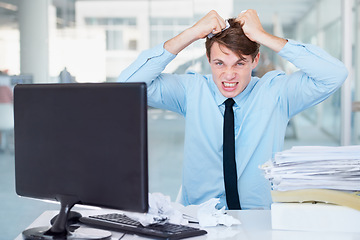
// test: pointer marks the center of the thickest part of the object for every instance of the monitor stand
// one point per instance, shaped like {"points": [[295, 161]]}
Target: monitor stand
{"points": [[60, 230]]}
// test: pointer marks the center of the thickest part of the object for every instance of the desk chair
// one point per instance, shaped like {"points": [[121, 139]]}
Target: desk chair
{"points": [[6, 125]]}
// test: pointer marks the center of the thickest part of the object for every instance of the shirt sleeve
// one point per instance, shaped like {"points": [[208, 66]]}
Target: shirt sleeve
{"points": [[165, 91], [319, 76]]}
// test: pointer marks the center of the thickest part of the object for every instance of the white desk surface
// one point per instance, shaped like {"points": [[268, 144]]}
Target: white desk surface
{"points": [[256, 225]]}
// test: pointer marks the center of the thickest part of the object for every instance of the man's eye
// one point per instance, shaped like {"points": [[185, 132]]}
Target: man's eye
{"points": [[240, 64], [219, 63]]}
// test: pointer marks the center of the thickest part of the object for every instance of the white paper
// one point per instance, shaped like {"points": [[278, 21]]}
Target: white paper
{"points": [[302, 167], [160, 210], [209, 216]]}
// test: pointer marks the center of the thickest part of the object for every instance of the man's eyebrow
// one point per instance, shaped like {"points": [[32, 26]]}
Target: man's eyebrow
{"points": [[242, 60], [239, 60]]}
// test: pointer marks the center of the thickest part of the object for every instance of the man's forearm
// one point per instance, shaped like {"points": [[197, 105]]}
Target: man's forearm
{"points": [[148, 66], [273, 42], [181, 41]]}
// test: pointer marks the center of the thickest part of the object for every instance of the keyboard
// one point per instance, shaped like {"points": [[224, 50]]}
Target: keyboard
{"points": [[122, 223]]}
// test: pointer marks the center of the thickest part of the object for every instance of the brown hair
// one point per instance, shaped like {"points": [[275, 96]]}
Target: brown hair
{"points": [[234, 39]]}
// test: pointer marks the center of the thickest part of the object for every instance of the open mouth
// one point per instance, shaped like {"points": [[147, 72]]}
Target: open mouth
{"points": [[229, 84]]}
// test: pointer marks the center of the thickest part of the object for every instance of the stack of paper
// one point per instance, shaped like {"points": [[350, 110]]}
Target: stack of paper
{"points": [[306, 167], [309, 174]]}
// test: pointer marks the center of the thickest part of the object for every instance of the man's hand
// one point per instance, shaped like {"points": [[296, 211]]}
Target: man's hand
{"points": [[255, 32], [251, 24], [211, 22]]}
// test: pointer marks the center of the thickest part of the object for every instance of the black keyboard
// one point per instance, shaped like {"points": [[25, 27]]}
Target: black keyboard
{"points": [[122, 223]]}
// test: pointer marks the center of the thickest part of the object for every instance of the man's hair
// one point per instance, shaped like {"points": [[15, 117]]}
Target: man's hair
{"points": [[234, 39]]}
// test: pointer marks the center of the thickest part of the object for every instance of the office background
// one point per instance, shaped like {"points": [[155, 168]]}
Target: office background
{"points": [[44, 41]]}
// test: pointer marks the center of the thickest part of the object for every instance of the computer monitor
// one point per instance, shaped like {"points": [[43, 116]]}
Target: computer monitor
{"points": [[81, 144]]}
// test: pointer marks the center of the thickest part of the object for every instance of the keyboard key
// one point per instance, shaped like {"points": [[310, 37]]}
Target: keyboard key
{"points": [[122, 223]]}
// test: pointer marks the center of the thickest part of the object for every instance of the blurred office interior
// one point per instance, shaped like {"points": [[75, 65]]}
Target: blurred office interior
{"points": [[52, 41]]}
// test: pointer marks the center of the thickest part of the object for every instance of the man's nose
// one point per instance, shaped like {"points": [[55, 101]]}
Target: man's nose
{"points": [[229, 74]]}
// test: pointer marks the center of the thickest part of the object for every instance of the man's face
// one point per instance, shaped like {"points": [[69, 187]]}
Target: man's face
{"points": [[231, 74]]}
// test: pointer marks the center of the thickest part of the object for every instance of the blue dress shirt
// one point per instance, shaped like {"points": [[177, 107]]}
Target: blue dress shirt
{"points": [[262, 112]]}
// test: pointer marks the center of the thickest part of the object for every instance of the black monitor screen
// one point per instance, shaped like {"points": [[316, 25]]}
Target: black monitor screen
{"points": [[83, 141]]}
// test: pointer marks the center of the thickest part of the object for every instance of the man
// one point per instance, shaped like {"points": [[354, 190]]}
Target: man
{"points": [[6, 95], [65, 76], [262, 107]]}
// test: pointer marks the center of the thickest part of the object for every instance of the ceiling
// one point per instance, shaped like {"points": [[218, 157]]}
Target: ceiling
{"points": [[288, 11], [8, 11]]}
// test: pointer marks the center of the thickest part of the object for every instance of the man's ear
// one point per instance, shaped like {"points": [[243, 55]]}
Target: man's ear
{"points": [[256, 60]]}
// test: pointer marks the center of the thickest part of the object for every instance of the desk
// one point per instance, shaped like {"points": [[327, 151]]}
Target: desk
{"points": [[256, 225]]}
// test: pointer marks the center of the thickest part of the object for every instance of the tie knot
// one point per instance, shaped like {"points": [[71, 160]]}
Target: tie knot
{"points": [[229, 102]]}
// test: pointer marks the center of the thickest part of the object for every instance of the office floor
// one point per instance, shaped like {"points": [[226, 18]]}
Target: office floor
{"points": [[165, 159]]}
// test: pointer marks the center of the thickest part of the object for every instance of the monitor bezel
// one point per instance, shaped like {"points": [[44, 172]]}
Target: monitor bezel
{"points": [[27, 94]]}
